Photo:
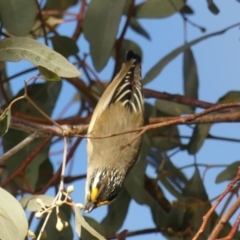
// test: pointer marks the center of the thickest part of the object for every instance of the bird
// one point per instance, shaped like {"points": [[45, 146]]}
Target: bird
{"points": [[121, 108]]}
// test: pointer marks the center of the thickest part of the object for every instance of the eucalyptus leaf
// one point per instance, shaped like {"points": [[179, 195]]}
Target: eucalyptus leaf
{"points": [[85, 235], [158, 67], [19, 48], [157, 8], [194, 188], [213, 7], [198, 137], [59, 4], [18, 16], [44, 96], [190, 74], [81, 222], [136, 176], [229, 97], [100, 29], [229, 173], [30, 202], [136, 26], [172, 108], [64, 45], [12, 217], [119, 208]]}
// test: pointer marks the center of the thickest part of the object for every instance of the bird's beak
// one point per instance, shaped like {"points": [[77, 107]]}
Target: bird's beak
{"points": [[89, 207]]}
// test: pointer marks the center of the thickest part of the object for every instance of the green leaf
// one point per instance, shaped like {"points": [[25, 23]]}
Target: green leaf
{"points": [[169, 175], [100, 29], [59, 4], [117, 212], [232, 96], [48, 74], [12, 217], [5, 119], [198, 137], [153, 190], [85, 235], [29, 203], [190, 74], [45, 173], [192, 191], [20, 48], [157, 8], [186, 10], [64, 45], [229, 173], [212, 7], [80, 222], [136, 175], [136, 26], [175, 218], [45, 97], [197, 203], [164, 138], [172, 108], [158, 67], [158, 215], [18, 16]]}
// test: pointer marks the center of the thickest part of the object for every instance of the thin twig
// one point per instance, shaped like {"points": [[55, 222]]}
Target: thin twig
{"points": [[224, 219], [212, 209], [18, 147]]}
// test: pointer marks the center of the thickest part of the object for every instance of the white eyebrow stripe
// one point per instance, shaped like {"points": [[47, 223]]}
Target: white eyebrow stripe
{"points": [[96, 180], [122, 95]]}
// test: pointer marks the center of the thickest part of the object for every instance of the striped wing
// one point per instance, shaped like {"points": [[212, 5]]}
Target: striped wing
{"points": [[126, 88]]}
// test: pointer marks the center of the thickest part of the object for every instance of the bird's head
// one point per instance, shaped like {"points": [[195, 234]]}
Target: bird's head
{"points": [[102, 188]]}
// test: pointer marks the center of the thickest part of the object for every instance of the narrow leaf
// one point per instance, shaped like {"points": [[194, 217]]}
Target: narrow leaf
{"points": [[64, 45], [200, 133], [20, 48], [157, 8], [59, 4], [44, 96], [195, 188], [158, 67], [190, 74], [172, 108], [100, 29], [229, 173], [213, 7], [118, 208], [232, 96], [80, 221], [30, 202], [18, 16], [136, 26], [85, 234]]}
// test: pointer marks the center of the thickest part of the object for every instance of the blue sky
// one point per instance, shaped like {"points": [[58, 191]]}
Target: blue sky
{"points": [[218, 69]]}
